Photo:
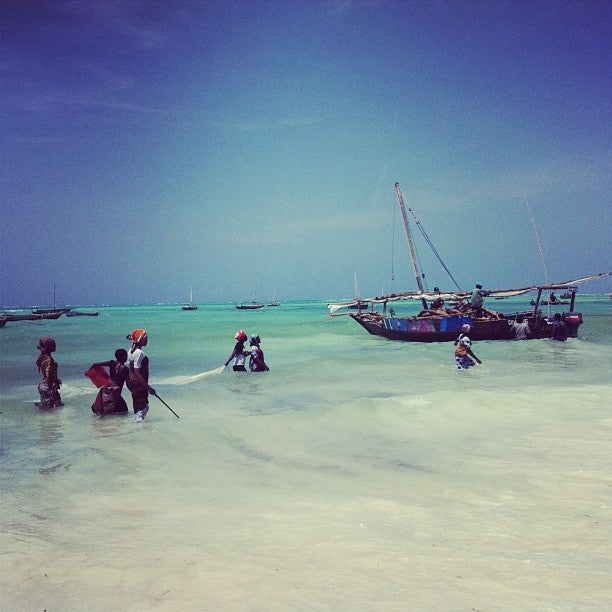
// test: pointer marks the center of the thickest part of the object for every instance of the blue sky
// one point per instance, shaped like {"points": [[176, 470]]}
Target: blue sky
{"points": [[238, 146]]}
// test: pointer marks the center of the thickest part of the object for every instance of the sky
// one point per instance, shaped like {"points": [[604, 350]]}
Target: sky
{"points": [[252, 147]]}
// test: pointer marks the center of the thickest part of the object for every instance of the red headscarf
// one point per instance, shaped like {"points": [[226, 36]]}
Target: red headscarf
{"points": [[137, 335]]}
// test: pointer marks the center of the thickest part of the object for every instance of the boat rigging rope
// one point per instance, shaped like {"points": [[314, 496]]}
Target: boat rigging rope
{"points": [[433, 248]]}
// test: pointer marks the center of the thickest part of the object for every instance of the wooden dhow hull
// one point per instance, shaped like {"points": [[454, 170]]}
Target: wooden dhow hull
{"points": [[446, 329]]}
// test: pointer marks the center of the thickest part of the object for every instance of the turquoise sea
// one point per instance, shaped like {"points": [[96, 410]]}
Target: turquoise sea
{"points": [[358, 474]]}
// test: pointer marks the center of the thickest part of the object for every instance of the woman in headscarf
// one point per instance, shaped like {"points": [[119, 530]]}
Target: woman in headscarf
{"points": [[47, 366], [257, 362], [138, 381], [239, 354]]}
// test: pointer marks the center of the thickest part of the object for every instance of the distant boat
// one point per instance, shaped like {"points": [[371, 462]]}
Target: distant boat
{"points": [[57, 311], [78, 313], [252, 306], [190, 305], [54, 310], [273, 302], [358, 304], [553, 300], [549, 303], [34, 316]]}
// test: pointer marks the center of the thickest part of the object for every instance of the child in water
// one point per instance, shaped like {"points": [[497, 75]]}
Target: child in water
{"points": [[47, 366]]}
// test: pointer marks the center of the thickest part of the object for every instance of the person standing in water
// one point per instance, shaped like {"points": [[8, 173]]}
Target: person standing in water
{"points": [[559, 330], [256, 358], [463, 350], [520, 328], [119, 374], [118, 371], [138, 381], [50, 384], [239, 354]]}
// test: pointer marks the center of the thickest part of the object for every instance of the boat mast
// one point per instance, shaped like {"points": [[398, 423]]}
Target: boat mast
{"points": [[417, 272]]}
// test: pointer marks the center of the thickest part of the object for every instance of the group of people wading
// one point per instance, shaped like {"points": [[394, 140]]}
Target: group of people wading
{"points": [[132, 369]]}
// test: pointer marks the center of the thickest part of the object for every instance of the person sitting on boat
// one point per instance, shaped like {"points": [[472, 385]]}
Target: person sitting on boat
{"points": [[437, 304], [256, 358], [239, 354], [553, 298], [109, 399], [436, 310], [49, 386], [520, 328], [463, 350], [476, 299]]}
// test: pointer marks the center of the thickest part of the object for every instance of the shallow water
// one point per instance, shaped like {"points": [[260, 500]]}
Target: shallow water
{"points": [[358, 474]]}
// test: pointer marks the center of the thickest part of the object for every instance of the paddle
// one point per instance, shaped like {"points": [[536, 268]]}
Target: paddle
{"points": [[166, 405]]}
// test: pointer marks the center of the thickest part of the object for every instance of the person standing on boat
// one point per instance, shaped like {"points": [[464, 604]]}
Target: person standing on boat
{"points": [[463, 350], [256, 358], [138, 380], [476, 299], [520, 328], [239, 354], [50, 384]]}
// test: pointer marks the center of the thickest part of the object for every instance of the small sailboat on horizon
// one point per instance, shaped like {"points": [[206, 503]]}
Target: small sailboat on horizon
{"points": [[190, 305], [273, 302], [252, 306], [51, 311]]}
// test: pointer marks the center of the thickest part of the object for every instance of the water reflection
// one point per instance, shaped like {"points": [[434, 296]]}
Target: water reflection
{"points": [[50, 427], [109, 424]]}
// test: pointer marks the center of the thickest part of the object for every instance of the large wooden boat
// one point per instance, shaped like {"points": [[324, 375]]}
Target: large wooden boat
{"points": [[444, 324]]}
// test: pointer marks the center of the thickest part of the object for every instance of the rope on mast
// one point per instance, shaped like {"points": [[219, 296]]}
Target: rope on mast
{"points": [[432, 247]]}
